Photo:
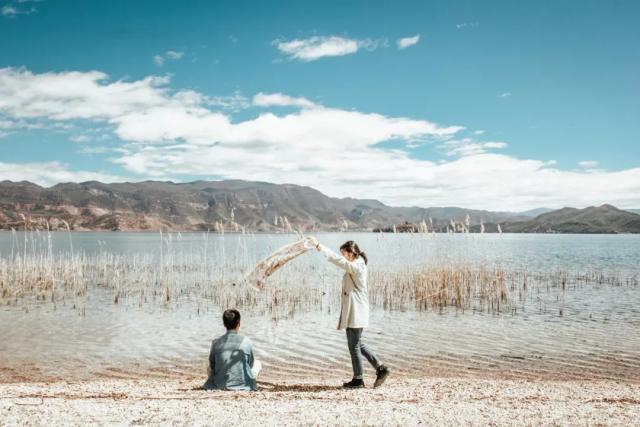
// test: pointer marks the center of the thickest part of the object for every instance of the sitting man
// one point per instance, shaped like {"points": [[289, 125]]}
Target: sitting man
{"points": [[231, 362]]}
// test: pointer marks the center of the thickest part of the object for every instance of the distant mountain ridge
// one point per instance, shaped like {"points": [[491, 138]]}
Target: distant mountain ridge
{"points": [[207, 205], [601, 219], [234, 205]]}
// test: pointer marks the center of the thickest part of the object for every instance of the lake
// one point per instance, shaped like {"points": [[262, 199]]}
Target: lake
{"points": [[583, 330]]}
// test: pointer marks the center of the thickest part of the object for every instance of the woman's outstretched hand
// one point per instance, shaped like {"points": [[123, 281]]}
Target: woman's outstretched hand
{"points": [[313, 241]]}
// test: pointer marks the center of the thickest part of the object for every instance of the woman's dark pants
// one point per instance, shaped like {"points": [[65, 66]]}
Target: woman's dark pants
{"points": [[357, 347]]}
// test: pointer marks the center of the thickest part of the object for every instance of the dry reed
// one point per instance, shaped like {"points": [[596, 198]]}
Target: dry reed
{"points": [[35, 272]]}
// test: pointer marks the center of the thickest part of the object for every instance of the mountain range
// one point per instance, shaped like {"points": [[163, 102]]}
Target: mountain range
{"points": [[602, 219], [235, 205]]}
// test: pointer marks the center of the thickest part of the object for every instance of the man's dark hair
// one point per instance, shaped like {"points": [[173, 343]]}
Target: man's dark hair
{"points": [[231, 318]]}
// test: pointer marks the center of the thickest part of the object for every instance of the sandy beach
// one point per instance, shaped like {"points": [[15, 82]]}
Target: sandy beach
{"points": [[319, 401]]}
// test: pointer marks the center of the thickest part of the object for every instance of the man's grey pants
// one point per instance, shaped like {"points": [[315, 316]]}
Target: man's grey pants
{"points": [[356, 346]]}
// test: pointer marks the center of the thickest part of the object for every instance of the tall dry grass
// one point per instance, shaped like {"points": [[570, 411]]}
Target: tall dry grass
{"points": [[35, 272]]}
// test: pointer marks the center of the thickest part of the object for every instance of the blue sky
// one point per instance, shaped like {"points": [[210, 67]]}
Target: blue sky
{"points": [[498, 105]]}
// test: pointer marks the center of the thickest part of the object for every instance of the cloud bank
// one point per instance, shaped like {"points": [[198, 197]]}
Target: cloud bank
{"points": [[175, 134]]}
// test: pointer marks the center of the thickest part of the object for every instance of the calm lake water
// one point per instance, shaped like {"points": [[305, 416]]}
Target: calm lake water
{"points": [[591, 331]]}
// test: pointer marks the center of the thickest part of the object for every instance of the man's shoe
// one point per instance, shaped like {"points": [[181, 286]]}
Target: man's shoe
{"points": [[354, 383], [381, 375]]}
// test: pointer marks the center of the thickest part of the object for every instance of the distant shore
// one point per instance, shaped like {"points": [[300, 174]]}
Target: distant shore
{"points": [[309, 232], [319, 401], [245, 206]]}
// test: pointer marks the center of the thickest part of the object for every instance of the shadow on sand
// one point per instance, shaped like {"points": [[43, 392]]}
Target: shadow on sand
{"points": [[306, 388], [271, 387]]}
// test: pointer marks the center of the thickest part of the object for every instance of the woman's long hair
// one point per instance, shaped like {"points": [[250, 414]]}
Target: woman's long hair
{"points": [[352, 247]]}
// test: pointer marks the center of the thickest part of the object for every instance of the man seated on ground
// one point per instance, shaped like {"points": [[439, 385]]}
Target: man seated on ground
{"points": [[231, 362]]}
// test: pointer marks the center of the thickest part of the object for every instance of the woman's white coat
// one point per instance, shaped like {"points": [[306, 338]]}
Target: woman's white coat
{"points": [[354, 311]]}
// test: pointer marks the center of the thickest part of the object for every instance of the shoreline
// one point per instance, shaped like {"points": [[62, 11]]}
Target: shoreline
{"points": [[320, 401], [319, 232]]}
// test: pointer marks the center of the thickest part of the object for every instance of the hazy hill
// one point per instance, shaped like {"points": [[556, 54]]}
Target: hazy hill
{"points": [[153, 205], [532, 213], [601, 219]]}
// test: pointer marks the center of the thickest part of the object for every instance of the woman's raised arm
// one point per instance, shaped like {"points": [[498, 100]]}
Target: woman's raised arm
{"points": [[348, 266]]}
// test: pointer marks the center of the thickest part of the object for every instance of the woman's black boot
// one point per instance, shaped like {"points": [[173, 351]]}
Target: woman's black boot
{"points": [[381, 375], [354, 383]]}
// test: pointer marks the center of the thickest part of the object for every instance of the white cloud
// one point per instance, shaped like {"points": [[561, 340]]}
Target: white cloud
{"points": [[98, 149], [12, 11], [280, 100], [405, 42], [504, 95], [588, 164], [469, 147], [492, 144], [75, 95], [234, 102], [51, 173], [324, 128], [80, 139], [317, 47], [9, 11], [9, 124], [170, 55], [177, 134], [8, 127], [467, 25], [158, 60], [479, 132]]}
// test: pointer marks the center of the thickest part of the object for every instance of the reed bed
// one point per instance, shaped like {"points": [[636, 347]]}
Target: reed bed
{"points": [[35, 273]]}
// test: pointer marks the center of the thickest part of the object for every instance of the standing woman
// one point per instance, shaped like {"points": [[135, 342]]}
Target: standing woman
{"points": [[354, 313]]}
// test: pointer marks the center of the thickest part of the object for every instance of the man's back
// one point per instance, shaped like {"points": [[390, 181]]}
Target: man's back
{"points": [[231, 360]]}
